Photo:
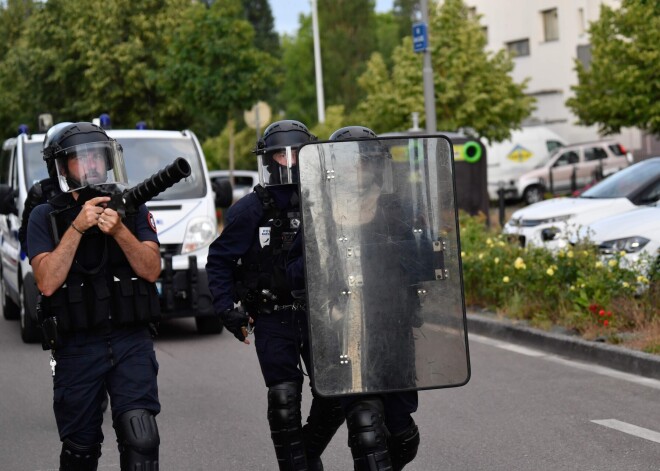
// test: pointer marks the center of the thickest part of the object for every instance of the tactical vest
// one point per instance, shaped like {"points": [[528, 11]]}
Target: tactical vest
{"points": [[101, 286], [260, 277]]}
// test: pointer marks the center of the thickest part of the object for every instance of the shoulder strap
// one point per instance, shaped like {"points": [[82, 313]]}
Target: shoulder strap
{"points": [[267, 203]]}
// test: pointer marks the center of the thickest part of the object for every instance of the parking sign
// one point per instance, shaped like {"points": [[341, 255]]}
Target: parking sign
{"points": [[420, 37]]}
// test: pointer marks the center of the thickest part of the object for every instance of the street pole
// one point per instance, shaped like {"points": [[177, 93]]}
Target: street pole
{"points": [[427, 74], [320, 101]]}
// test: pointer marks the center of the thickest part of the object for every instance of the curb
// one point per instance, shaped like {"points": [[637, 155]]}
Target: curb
{"points": [[610, 356]]}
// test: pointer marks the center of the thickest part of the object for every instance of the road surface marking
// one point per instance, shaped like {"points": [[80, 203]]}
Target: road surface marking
{"points": [[601, 370], [630, 429]]}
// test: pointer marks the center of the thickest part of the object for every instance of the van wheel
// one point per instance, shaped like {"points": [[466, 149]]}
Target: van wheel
{"points": [[533, 194], [30, 332], [208, 325], [9, 308]]}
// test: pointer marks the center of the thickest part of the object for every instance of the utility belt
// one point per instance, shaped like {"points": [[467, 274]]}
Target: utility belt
{"points": [[265, 302], [129, 302]]}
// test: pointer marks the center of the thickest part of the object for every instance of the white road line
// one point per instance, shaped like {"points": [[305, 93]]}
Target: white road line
{"points": [[630, 429], [601, 370]]}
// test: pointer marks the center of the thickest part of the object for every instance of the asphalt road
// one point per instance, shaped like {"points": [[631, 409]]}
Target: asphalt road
{"points": [[522, 410]]}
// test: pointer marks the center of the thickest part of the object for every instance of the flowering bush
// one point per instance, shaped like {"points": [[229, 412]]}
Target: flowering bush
{"points": [[573, 288]]}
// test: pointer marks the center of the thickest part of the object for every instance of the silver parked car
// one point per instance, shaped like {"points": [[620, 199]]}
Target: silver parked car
{"points": [[573, 167]]}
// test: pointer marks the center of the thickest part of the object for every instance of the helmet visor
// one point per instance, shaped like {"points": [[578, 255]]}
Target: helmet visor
{"points": [[279, 167], [92, 163]]}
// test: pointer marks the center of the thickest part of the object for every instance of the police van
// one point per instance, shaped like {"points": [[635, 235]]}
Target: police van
{"points": [[185, 216]]}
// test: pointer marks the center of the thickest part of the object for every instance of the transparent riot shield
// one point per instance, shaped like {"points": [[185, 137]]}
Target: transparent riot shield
{"points": [[383, 269]]}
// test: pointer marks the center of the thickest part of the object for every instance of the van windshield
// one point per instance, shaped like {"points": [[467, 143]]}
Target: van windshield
{"points": [[143, 157]]}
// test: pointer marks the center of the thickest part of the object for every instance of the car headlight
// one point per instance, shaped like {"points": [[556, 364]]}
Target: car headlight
{"points": [[199, 233], [628, 244]]}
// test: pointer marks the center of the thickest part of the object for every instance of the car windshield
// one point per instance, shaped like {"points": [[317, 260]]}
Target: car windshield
{"points": [[625, 182], [143, 157]]}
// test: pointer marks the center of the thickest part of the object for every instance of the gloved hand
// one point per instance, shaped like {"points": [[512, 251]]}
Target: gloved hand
{"points": [[235, 321]]}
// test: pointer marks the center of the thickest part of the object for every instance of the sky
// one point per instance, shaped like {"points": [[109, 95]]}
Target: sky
{"points": [[286, 12]]}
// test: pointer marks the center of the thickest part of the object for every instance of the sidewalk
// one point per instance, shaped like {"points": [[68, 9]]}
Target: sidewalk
{"points": [[611, 356]]}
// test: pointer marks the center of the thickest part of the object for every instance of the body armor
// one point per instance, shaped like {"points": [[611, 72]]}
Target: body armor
{"points": [[260, 277], [101, 285]]}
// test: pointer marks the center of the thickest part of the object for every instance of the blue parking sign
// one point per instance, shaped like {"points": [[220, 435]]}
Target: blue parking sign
{"points": [[420, 37]]}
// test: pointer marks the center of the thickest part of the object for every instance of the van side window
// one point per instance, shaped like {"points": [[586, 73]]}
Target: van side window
{"points": [[594, 153], [552, 145], [567, 158]]}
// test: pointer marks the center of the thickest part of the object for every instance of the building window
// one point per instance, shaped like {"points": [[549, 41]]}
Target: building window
{"points": [[581, 24], [584, 55], [518, 48], [550, 25]]}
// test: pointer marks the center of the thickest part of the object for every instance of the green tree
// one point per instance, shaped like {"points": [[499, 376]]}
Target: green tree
{"points": [[620, 87], [388, 37], [260, 15], [213, 66], [403, 12], [79, 58], [13, 15], [350, 31], [347, 33], [472, 87], [297, 93]]}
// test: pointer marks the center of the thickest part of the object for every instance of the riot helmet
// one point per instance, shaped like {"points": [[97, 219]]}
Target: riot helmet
{"points": [[277, 152], [372, 163], [81, 154]]}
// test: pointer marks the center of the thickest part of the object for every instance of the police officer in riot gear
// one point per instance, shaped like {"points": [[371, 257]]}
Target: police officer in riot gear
{"points": [[382, 434], [96, 272], [247, 264]]}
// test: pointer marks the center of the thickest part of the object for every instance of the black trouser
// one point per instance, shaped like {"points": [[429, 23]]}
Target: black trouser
{"points": [[281, 341]]}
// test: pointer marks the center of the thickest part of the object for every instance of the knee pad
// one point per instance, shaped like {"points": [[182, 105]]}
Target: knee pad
{"points": [[403, 446], [285, 425], [284, 406], [138, 440], [76, 457], [325, 417], [367, 436]]}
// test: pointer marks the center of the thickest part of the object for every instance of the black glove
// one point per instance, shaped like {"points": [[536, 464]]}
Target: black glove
{"points": [[235, 321]]}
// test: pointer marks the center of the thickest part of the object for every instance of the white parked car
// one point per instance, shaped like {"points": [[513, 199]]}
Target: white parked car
{"points": [[634, 234], [549, 223], [244, 181]]}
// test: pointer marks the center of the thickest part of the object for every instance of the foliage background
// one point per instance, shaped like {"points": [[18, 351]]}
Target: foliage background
{"points": [[199, 63]]}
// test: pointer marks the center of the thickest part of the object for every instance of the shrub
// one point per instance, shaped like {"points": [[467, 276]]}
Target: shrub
{"points": [[574, 288]]}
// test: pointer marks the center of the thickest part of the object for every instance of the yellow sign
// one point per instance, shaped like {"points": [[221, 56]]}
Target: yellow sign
{"points": [[519, 154], [458, 152]]}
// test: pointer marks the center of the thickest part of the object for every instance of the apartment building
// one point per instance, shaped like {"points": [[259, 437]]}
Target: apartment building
{"points": [[545, 37]]}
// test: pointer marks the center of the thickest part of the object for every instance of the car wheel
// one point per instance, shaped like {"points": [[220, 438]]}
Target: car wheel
{"points": [[533, 194], [208, 324], [223, 193], [30, 332], [9, 308]]}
